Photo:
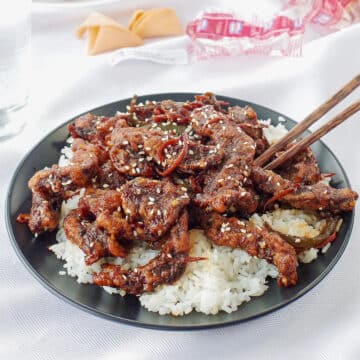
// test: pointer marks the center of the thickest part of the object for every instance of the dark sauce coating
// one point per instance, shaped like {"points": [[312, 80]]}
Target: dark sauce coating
{"points": [[239, 233], [143, 171], [165, 268], [319, 196]]}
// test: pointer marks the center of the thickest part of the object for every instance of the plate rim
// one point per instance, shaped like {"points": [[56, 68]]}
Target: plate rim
{"points": [[50, 287]]}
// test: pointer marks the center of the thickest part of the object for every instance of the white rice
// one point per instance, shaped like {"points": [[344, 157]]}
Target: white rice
{"points": [[273, 133], [296, 223], [223, 282]]}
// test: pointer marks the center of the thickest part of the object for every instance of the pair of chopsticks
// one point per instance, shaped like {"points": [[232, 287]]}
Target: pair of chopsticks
{"points": [[306, 123]]}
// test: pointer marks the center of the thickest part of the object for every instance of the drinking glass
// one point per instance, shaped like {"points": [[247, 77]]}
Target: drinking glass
{"points": [[15, 28]]}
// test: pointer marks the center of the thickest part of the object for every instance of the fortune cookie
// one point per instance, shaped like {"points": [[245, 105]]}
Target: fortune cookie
{"points": [[106, 34], [155, 22]]}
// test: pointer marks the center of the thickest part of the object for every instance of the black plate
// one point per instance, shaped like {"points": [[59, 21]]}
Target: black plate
{"points": [[45, 266]]}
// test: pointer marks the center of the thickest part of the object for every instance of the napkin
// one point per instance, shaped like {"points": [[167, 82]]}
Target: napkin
{"points": [[172, 51]]}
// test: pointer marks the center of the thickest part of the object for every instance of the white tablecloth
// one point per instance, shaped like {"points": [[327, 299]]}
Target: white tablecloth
{"points": [[324, 324]]}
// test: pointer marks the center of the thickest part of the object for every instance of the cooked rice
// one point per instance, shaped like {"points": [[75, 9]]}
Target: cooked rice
{"points": [[223, 282]]}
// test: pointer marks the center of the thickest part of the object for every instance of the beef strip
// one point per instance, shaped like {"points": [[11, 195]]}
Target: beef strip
{"points": [[198, 157], [127, 151], [153, 205], [165, 268], [235, 233], [96, 129], [170, 111], [226, 186], [246, 117], [94, 241], [319, 196], [302, 168], [51, 186], [109, 177]]}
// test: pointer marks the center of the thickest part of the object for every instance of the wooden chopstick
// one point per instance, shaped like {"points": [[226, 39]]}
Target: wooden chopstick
{"points": [[316, 135], [308, 121]]}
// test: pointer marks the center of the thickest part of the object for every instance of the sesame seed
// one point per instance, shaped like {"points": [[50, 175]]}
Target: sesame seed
{"points": [[66, 183], [125, 142], [151, 198], [105, 186]]}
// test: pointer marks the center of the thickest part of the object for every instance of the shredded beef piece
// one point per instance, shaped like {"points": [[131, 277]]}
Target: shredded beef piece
{"points": [[247, 118], [235, 233], [307, 197], [165, 268]]}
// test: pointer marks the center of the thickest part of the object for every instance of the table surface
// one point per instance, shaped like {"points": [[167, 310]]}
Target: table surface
{"points": [[324, 324]]}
